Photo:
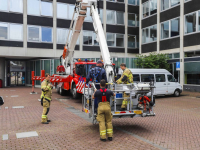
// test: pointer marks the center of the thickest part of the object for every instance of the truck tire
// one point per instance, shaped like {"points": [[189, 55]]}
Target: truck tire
{"points": [[61, 91], [176, 93], [75, 95]]}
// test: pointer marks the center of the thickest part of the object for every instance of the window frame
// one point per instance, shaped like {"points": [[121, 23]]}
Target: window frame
{"points": [[149, 33], [135, 20], [93, 38], [8, 8], [169, 37], [197, 21], [135, 41], [169, 6], [40, 13], [40, 34], [8, 33], [115, 35]]}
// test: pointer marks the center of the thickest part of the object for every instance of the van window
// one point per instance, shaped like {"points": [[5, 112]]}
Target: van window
{"points": [[147, 77], [160, 78], [136, 77], [171, 78]]}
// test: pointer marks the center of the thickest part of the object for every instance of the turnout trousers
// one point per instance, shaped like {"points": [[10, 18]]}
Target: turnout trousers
{"points": [[104, 117], [46, 107], [125, 101]]}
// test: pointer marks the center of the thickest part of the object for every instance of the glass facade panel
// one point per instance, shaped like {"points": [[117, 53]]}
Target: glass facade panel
{"points": [[110, 17], [111, 39], [132, 20], [175, 27], [153, 33], [120, 17], [46, 8], [87, 37], [33, 34], [165, 30], [95, 42], [88, 17], [46, 34], [16, 32], [47, 66], [4, 5], [175, 2], [190, 23], [62, 10], [120, 40], [16, 5], [71, 11], [145, 9], [132, 2], [153, 7], [3, 31], [33, 7], [131, 41], [62, 36], [164, 4], [192, 72]]}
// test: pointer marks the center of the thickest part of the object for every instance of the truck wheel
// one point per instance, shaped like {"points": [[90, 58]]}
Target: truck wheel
{"points": [[58, 89], [75, 95], [61, 91], [177, 93]]}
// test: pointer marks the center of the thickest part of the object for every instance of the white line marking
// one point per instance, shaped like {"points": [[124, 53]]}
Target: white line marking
{"points": [[39, 100], [6, 107], [5, 137], [18, 107], [26, 134], [14, 95]]}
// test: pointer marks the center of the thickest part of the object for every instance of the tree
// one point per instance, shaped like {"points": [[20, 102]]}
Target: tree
{"points": [[154, 60]]}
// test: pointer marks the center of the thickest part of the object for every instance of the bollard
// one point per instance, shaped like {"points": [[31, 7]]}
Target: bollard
{"points": [[33, 82]]}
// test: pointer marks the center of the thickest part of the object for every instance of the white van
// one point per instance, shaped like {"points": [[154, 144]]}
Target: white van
{"points": [[165, 82]]}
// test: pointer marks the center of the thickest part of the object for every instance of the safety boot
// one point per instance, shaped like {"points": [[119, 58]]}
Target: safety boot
{"points": [[104, 140], [45, 123], [48, 120], [110, 138]]}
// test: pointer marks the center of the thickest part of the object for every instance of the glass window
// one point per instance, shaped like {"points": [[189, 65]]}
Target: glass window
{"points": [[110, 17], [46, 8], [88, 17], [4, 5], [120, 17], [136, 78], [153, 33], [87, 37], [176, 55], [190, 23], [120, 40], [145, 9], [16, 32], [101, 15], [16, 5], [132, 20], [199, 20], [153, 7], [47, 66], [171, 78], [111, 39], [95, 42], [165, 30], [33, 7], [137, 41], [131, 41], [62, 10], [62, 36], [164, 4], [175, 27], [175, 2], [3, 31], [33, 34], [132, 2], [71, 11], [145, 35], [46, 34], [160, 78], [146, 77]]}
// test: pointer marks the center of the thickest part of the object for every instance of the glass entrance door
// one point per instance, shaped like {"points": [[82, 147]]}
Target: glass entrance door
{"points": [[17, 78]]}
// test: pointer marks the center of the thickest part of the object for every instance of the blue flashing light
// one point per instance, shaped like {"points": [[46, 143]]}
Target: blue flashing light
{"points": [[85, 60]]}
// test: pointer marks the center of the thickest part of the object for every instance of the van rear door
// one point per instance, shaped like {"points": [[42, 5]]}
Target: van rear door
{"points": [[161, 84]]}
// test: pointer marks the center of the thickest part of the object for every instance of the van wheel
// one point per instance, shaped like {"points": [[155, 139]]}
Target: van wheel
{"points": [[177, 93], [75, 95]]}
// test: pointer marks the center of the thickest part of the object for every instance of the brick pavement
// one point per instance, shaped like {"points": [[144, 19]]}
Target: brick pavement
{"points": [[176, 125]]}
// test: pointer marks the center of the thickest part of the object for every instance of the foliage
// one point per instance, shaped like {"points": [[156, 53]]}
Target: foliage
{"points": [[154, 60]]}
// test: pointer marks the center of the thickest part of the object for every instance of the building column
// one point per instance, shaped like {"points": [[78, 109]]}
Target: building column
{"points": [[25, 26], [182, 43], [104, 16], [140, 28], [158, 26], [126, 28], [2, 70], [54, 27]]}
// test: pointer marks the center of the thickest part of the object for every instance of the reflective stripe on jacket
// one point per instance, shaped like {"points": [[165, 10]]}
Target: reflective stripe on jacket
{"points": [[46, 90]]}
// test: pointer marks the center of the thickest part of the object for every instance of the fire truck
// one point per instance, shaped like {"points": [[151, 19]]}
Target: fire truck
{"points": [[71, 75]]}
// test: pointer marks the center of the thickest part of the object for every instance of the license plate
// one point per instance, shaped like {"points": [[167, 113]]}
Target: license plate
{"points": [[138, 112]]}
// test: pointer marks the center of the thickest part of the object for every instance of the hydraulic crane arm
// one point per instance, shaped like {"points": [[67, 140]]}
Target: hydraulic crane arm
{"points": [[80, 12]]}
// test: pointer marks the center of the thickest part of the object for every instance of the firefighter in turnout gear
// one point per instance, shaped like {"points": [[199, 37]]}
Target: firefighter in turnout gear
{"points": [[126, 78], [46, 88], [104, 115]]}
